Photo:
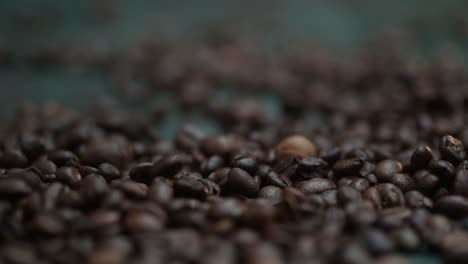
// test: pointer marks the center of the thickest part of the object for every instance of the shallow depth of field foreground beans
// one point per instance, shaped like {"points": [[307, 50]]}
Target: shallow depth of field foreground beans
{"points": [[217, 151]]}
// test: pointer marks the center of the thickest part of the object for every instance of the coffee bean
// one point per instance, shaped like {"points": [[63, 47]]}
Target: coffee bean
{"points": [[131, 189], [384, 195], [415, 199], [460, 184], [11, 188], [47, 224], [141, 172], [403, 181], [270, 192], [219, 145], [142, 222], [347, 194], [61, 157], [406, 239], [246, 163], [212, 164], [196, 187], [359, 184], [12, 158], [169, 166], [296, 145], [68, 175], [348, 167], [452, 149], [312, 167], [220, 176], [426, 182], [315, 186], [386, 169], [242, 182], [454, 247], [377, 241], [452, 205], [93, 188], [442, 169], [272, 178], [160, 192], [108, 171], [421, 157]]}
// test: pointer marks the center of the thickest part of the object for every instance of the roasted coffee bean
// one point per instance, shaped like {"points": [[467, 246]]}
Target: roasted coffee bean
{"points": [[442, 169], [315, 186], [246, 163], [219, 145], [87, 170], [394, 217], [270, 192], [348, 167], [114, 149], [29, 177], [131, 189], [220, 176], [312, 167], [142, 222], [195, 187], [406, 239], [141, 172], [11, 188], [332, 155], [272, 178], [403, 181], [421, 157], [452, 149], [47, 224], [460, 185], [242, 182], [386, 169], [426, 182], [44, 168], [415, 199], [455, 247], [452, 206], [61, 157], [297, 146], [377, 241], [212, 164], [359, 184], [169, 166], [161, 192], [384, 195], [93, 188], [68, 175], [352, 253], [13, 159], [347, 194], [109, 171]]}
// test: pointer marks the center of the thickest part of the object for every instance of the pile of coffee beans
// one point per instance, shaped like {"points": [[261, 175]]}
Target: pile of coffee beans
{"points": [[365, 162]]}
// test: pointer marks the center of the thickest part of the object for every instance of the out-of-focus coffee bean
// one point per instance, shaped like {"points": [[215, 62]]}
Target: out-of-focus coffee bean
{"points": [[295, 145], [270, 192], [246, 163], [108, 171], [403, 181], [442, 169], [11, 188], [415, 199], [242, 182], [212, 164], [426, 182], [460, 184], [142, 222], [68, 175], [452, 206]]}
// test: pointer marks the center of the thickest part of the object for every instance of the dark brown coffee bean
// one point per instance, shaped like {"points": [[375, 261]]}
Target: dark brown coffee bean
{"points": [[109, 171], [452, 149], [352, 253], [61, 157], [377, 241], [360, 214], [348, 167], [406, 239], [330, 198], [105, 221], [169, 166], [212, 164], [93, 188], [29, 177], [332, 155], [113, 149], [359, 184], [87, 170], [270, 192], [421, 157], [195, 187], [311, 167], [403, 181], [220, 176], [13, 159], [45, 168], [348, 194], [426, 182], [384, 195], [142, 222], [131, 189], [315, 186], [242, 182], [460, 185], [415, 199], [219, 145], [246, 163], [442, 169], [48, 224], [142, 172], [452, 205], [68, 175], [386, 169], [454, 247], [11, 188], [161, 192], [264, 253], [394, 217], [296, 146], [272, 178]]}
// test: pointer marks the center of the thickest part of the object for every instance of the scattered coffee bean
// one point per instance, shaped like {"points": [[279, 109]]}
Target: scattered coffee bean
{"points": [[386, 169], [452, 149], [298, 146]]}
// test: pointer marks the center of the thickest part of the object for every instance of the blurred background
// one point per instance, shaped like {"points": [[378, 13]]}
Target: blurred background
{"points": [[87, 26]]}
